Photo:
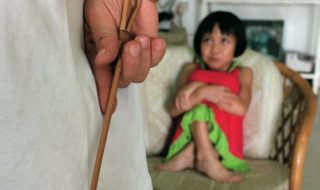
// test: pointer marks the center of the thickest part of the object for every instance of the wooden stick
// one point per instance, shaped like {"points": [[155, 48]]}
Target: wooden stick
{"points": [[105, 127], [113, 91]]}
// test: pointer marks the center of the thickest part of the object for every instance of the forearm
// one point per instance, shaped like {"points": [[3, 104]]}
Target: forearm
{"points": [[223, 98], [239, 103], [186, 98], [198, 95], [174, 111]]}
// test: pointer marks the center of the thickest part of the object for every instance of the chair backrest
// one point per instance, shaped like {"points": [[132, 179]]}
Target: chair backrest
{"points": [[294, 129]]}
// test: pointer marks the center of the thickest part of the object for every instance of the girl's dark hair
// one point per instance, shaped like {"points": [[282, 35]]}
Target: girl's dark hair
{"points": [[228, 23]]}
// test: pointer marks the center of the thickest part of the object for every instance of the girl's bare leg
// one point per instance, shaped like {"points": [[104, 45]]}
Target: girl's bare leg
{"points": [[207, 159], [183, 160]]}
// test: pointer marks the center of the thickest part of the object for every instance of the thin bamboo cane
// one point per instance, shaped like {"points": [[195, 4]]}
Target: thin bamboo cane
{"points": [[124, 29]]}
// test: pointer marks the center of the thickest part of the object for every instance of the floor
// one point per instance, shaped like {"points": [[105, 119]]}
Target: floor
{"points": [[311, 177]]}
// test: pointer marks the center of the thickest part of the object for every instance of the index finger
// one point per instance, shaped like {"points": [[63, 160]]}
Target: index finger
{"points": [[147, 19]]}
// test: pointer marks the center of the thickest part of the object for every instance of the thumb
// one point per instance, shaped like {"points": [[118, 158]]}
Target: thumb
{"points": [[105, 36], [104, 32]]}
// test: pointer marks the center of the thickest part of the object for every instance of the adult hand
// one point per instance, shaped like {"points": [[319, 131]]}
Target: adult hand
{"points": [[101, 40]]}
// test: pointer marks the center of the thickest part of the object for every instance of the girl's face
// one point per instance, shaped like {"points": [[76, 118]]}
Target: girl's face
{"points": [[217, 49]]}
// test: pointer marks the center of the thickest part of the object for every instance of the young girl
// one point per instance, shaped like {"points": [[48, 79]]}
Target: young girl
{"points": [[213, 99]]}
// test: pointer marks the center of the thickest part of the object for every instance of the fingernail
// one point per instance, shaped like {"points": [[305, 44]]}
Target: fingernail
{"points": [[134, 51], [159, 45], [144, 42], [101, 51]]}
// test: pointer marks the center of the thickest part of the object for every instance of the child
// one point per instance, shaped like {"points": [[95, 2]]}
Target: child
{"points": [[213, 99]]}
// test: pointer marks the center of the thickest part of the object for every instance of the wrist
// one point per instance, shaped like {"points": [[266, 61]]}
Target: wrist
{"points": [[197, 95], [200, 92]]}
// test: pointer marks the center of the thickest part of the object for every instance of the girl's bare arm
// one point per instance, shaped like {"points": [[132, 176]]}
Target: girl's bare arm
{"points": [[220, 95], [182, 80], [238, 104]]}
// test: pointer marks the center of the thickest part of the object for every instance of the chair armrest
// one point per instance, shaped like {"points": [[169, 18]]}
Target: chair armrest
{"points": [[303, 126]]}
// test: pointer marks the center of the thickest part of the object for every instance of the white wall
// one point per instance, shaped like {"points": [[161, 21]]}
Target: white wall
{"points": [[298, 34], [190, 18], [298, 30]]}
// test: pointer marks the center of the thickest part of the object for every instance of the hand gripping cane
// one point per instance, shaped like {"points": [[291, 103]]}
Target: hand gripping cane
{"points": [[124, 30]]}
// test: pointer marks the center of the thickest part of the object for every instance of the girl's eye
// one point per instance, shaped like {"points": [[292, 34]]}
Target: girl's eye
{"points": [[206, 40], [225, 40]]}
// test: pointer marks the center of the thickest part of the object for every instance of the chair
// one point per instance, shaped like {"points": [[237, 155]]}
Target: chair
{"points": [[298, 121], [284, 168]]}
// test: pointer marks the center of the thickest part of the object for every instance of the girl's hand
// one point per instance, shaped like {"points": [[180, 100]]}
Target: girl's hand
{"points": [[184, 100], [232, 103], [221, 96], [226, 101], [216, 94]]}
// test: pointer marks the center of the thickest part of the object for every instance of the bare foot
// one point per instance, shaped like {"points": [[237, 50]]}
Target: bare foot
{"points": [[183, 160], [208, 164]]}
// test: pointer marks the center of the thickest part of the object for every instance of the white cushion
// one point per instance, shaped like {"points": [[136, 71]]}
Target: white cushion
{"points": [[262, 117], [156, 90]]}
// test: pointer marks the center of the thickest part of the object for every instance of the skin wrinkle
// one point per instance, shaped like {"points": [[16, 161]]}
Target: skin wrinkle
{"points": [[117, 9]]}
